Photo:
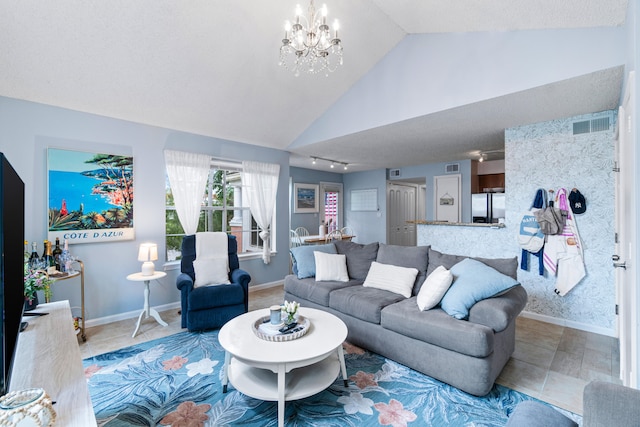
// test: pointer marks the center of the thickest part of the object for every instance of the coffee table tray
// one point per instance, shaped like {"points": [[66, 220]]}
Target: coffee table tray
{"points": [[263, 329]]}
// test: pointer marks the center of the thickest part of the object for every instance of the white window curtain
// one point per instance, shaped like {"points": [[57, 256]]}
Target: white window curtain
{"points": [[188, 173], [261, 182]]}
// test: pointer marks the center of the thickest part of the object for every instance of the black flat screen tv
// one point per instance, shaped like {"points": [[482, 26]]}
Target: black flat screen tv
{"points": [[11, 265]]}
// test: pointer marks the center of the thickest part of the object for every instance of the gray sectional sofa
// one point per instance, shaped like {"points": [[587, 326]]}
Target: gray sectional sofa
{"points": [[466, 353]]}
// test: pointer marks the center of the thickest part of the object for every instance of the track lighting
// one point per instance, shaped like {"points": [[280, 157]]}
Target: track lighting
{"points": [[332, 163]]}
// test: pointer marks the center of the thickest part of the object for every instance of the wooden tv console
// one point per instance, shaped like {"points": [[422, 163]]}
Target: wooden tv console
{"points": [[48, 357]]}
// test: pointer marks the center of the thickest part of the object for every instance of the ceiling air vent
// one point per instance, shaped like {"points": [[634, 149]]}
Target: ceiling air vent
{"points": [[589, 126], [394, 173], [452, 168]]}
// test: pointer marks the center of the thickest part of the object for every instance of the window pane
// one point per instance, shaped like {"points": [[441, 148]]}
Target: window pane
{"points": [[174, 233], [218, 213]]}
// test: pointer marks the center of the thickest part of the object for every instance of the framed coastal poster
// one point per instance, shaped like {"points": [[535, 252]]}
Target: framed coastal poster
{"points": [[305, 198], [90, 196]]}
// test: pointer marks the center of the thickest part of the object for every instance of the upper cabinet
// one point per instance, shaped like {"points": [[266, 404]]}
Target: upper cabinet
{"points": [[487, 176]]}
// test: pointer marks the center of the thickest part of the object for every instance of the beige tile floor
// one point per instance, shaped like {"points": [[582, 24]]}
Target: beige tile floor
{"points": [[552, 363]]}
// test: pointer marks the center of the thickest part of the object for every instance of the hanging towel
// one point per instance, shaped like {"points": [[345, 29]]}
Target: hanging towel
{"points": [[539, 202], [212, 245], [563, 255]]}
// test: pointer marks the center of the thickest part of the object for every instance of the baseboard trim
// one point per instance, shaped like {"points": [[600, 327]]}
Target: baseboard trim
{"points": [[570, 324], [165, 307], [129, 315], [267, 285]]}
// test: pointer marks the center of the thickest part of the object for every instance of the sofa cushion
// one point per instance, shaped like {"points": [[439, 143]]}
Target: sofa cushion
{"points": [[304, 264], [437, 259], [359, 257], [362, 303], [391, 278], [316, 292], [508, 266], [438, 328], [406, 256], [331, 267], [205, 298], [434, 288], [473, 282]]}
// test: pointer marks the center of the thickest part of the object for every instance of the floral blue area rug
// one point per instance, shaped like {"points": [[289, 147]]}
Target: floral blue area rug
{"points": [[176, 381]]}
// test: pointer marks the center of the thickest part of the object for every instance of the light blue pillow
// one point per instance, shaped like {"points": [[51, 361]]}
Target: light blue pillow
{"points": [[473, 281], [304, 263]]}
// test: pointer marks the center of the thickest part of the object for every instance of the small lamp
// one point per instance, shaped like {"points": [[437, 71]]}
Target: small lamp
{"points": [[148, 253]]}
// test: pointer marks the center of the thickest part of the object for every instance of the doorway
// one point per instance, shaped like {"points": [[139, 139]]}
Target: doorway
{"points": [[626, 211], [331, 206]]}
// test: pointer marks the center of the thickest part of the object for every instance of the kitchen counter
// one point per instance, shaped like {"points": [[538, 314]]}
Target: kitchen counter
{"points": [[457, 224]]}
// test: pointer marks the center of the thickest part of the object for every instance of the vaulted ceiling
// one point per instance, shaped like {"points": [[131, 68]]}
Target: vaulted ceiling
{"points": [[210, 67]]}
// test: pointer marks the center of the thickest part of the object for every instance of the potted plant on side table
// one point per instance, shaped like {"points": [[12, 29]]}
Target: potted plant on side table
{"points": [[35, 280]]}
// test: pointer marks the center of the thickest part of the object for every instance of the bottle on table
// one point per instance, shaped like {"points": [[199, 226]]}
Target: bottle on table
{"points": [[65, 258], [48, 255], [56, 254], [34, 259]]}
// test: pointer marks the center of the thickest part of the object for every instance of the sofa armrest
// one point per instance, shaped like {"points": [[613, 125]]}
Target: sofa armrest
{"points": [[607, 404], [241, 277], [498, 312], [184, 281]]}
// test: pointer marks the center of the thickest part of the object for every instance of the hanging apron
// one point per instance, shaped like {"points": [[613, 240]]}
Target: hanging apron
{"points": [[563, 253]]}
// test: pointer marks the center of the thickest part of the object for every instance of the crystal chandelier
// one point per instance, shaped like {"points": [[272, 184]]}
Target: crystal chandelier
{"points": [[307, 45]]}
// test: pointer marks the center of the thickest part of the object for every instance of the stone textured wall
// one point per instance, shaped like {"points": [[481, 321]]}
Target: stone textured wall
{"points": [[548, 155]]}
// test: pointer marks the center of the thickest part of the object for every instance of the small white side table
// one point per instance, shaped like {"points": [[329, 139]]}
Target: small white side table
{"points": [[138, 277]]}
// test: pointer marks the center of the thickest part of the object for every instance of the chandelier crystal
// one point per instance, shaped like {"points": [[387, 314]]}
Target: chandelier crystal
{"points": [[308, 46]]}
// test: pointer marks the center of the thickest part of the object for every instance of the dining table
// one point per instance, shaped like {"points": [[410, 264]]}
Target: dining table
{"points": [[318, 239]]}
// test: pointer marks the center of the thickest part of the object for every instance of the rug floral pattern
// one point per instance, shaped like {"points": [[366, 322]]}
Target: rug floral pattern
{"points": [[176, 381]]}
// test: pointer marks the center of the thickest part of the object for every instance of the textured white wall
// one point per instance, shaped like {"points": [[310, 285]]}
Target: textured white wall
{"points": [[547, 155]]}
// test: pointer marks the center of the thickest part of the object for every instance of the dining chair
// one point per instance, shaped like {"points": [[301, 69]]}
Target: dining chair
{"points": [[334, 235], [294, 239], [346, 231], [302, 233]]}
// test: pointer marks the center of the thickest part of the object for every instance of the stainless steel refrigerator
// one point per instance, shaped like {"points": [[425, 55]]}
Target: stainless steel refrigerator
{"points": [[487, 207]]}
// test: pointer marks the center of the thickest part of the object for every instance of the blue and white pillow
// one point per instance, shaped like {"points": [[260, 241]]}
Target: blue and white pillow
{"points": [[304, 262], [473, 281]]}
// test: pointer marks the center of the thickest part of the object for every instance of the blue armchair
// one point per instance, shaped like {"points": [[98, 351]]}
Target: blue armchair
{"points": [[210, 307]]}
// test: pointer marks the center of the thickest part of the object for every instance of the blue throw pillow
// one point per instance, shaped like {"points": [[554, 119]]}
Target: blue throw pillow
{"points": [[473, 281], [304, 263]]}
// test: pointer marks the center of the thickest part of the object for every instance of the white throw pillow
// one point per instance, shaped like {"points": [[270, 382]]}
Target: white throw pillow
{"points": [[434, 288], [391, 278], [331, 267], [211, 271]]}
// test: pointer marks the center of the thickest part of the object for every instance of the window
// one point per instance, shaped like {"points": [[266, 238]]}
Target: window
{"points": [[222, 209]]}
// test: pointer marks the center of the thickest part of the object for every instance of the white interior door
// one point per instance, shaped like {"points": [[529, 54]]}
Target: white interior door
{"points": [[626, 286], [401, 207], [447, 190]]}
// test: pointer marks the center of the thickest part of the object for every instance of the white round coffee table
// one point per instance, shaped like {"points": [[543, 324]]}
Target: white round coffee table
{"points": [[288, 370]]}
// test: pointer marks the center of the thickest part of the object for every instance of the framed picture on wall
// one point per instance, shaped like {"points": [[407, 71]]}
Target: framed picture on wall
{"points": [[305, 198], [90, 196]]}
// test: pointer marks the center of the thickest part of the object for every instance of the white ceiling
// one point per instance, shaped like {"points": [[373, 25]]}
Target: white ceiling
{"points": [[210, 67]]}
